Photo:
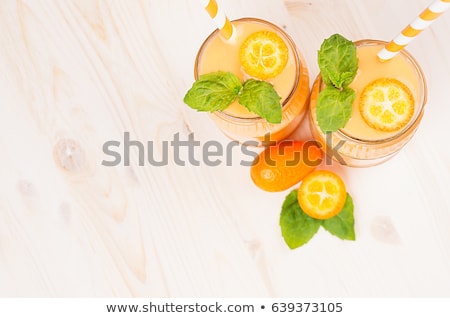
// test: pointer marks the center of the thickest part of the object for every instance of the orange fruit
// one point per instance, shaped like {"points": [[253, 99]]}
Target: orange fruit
{"points": [[263, 54], [386, 104], [322, 194], [283, 165]]}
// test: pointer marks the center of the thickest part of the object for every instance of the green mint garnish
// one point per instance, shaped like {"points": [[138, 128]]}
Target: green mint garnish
{"points": [[334, 107], [261, 98], [216, 91], [337, 61], [213, 91], [338, 65], [298, 228], [343, 224]]}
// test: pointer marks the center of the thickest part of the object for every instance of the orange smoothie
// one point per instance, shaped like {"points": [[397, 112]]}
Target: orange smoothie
{"points": [[292, 84], [360, 144]]}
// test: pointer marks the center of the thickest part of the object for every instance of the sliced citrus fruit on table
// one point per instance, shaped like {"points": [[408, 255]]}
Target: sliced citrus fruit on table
{"points": [[263, 54], [386, 104], [283, 165], [322, 194]]}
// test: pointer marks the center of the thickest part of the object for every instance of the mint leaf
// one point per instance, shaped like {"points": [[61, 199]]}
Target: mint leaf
{"points": [[334, 108], [338, 65], [213, 91], [216, 91], [343, 224], [261, 98], [297, 228], [338, 62]]}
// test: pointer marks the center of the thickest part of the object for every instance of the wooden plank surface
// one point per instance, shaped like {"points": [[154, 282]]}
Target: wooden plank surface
{"points": [[75, 74]]}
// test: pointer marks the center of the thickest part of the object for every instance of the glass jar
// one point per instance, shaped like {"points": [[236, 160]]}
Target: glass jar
{"points": [[218, 54], [366, 147]]}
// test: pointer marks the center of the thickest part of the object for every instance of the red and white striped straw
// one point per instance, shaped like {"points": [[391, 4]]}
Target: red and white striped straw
{"points": [[220, 19], [427, 17]]}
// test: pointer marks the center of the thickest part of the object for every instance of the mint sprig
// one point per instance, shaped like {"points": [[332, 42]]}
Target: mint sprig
{"points": [[338, 65], [298, 228], [334, 107], [217, 90], [261, 98], [213, 91], [337, 61], [343, 224]]}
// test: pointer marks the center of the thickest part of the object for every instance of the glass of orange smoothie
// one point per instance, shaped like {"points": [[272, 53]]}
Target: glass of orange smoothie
{"points": [[292, 84], [359, 143]]}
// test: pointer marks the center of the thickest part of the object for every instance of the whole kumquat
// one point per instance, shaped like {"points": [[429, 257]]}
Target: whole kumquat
{"points": [[284, 164]]}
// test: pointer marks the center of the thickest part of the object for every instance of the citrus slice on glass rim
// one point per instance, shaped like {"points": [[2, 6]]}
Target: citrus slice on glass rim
{"points": [[322, 194], [386, 104], [263, 54]]}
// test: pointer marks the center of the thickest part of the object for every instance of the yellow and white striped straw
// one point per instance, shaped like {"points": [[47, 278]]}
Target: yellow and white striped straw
{"points": [[220, 19], [427, 17]]}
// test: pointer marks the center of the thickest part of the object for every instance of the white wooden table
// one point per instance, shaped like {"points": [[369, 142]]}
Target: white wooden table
{"points": [[75, 74]]}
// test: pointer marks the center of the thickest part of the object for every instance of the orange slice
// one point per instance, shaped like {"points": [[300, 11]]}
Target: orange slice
{"points": [[322, 194], [263, 54], [386, 104]]}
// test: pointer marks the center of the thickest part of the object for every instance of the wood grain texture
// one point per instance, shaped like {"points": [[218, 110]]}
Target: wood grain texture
{"points": [[75, 74]]}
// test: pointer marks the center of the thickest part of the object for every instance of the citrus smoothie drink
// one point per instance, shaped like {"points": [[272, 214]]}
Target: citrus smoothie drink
{"points": [[389, 104], [290, 81]]}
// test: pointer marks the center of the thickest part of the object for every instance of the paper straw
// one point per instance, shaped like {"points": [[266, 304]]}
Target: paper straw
{"points": [[427, 17], [220, 19]]}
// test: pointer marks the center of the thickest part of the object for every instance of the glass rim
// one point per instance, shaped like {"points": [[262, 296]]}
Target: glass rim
{"points": [[297, 60], [412, 125]]}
